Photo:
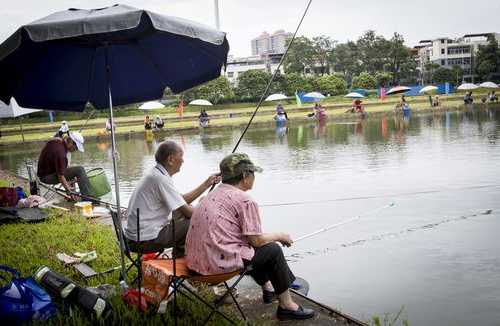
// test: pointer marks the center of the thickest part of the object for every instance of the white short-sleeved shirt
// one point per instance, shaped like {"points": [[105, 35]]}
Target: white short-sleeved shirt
{"points": [[156, 197]]}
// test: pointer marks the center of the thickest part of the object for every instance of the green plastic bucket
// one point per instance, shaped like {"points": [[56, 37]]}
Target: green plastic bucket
{"points": [[99, 184]]}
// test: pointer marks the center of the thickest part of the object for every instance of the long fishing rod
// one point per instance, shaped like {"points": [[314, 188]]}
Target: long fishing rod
{"points": [[355, 218], [272, 78]]}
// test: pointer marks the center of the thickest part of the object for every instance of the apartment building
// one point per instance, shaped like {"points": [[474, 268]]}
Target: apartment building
{"points": [[270, 43], [448, 52], [265, 62]]}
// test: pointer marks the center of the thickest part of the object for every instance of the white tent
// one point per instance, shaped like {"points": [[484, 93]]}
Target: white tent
{"points": [[276, 97], [152, 105], [200, 102], [13, 110]]}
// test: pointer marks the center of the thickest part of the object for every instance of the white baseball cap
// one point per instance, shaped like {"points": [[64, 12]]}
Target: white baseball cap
{"points": [[78, 139]]}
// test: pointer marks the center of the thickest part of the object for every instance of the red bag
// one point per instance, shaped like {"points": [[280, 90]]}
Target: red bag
{"points": [[8, 197]]}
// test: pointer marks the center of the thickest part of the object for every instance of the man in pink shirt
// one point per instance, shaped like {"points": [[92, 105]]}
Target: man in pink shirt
{"points": [[225, 234]]}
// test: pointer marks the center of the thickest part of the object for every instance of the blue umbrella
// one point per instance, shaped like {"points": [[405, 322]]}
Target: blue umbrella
{"points": [[117, 54]]}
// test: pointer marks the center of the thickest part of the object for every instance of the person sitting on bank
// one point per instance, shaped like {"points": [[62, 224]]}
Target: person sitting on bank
{"points": [[63, 130], [435, 101], [493, 97], [280, 110], [53, 164], [468, 99], [203, 118], [157, 198], [159, 122], [226, 235], [108, 125], [147, 123]]}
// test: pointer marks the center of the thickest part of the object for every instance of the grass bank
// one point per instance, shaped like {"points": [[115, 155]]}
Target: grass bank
{"points": [[37, 131], [26, 247]]}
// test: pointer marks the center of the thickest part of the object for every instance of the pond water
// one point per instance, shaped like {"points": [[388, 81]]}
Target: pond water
{"points": [[434, 253]]}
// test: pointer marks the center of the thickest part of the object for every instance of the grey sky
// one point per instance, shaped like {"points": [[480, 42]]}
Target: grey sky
{"points": [[340, 19]]}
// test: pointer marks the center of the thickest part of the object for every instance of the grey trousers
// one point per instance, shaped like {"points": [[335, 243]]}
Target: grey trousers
{"points": [[71, 173], [165, 238]]}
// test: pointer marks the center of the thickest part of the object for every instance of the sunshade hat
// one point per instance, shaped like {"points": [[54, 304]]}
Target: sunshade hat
{"points": [[235, 165], [77, 138]]}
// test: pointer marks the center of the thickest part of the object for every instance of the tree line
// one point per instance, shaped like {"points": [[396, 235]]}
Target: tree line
{"points": [[322, 64]]}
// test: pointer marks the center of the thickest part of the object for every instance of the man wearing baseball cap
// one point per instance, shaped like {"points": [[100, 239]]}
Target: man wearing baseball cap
{"points": [[53, 164], [225, 235]]}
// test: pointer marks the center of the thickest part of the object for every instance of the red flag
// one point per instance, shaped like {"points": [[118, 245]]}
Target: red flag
{"points": [[382, 93], [180, 108]]}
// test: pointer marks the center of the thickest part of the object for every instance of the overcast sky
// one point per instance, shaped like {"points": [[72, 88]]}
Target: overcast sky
{"points": [[342, 20]]}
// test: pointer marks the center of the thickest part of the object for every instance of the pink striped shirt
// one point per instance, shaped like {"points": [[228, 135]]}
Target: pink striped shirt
{"points": [[216, 241]]}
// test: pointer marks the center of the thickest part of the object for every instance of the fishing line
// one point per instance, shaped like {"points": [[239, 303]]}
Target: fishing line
{"points": [[333, 226], [272, 78], [423, 192]]}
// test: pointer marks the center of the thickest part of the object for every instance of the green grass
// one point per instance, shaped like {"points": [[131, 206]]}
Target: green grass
{"points": [[26, 247]]}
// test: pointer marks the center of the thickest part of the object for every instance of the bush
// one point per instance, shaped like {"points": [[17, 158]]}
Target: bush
{"points": [[331, 84], [364, 80]]}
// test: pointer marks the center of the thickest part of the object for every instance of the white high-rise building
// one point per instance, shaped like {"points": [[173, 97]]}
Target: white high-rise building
{"points": [[270, 43]]}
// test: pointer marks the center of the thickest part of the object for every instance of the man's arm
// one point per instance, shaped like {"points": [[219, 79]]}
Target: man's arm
{"points": [[69, 190], [186, 210], [195, 193], [265, 238]]}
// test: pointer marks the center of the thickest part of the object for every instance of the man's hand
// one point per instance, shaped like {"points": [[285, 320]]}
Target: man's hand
{"points": [[212, 180], [285, 239]]}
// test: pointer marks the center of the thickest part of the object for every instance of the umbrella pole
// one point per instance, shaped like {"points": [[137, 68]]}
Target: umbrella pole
{"points": [[21, 125], [115, 172]]}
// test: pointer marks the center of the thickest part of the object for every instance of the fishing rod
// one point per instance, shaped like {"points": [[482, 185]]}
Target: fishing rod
{"points": [[333, 226], [276, 71]]}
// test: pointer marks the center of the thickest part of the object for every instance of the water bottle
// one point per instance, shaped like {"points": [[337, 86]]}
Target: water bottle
{"points": [[32, 180], [72, 292]]}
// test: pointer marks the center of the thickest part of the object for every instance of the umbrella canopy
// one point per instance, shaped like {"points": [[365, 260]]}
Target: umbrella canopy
{"points": [[467, 87], [200, 102], [151, 105], [354, 95], [13, 110], [398, 90], [428, 89], [145, 53], [488, 85], [276, 97], [117, 54], [315, 95]]}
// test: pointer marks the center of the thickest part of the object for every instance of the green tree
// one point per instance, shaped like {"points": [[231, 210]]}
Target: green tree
{"points": [[364, 80], [442, 75], [323, 47], [344, 59], [300, 55], [458, 72], [383, 78], [373, 51], [216, 91], [331, 84], [251, 84], [428, 72], [297, 82], [400, 61], [488, 58]]}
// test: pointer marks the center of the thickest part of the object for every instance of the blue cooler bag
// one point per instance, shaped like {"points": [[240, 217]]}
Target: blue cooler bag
{"points": [[23, 300]]}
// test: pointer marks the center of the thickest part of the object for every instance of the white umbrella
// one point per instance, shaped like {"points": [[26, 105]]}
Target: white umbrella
{"points": [[467, 87], [13, 110], [276, 97], [397, 90], [354, 95], [200, 102], [152, 105], [488, 85], [315, 95], [428, 89]]}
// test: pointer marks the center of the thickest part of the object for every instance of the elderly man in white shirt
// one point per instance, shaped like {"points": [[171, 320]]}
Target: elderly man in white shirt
{"points": [[157, 198]]}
